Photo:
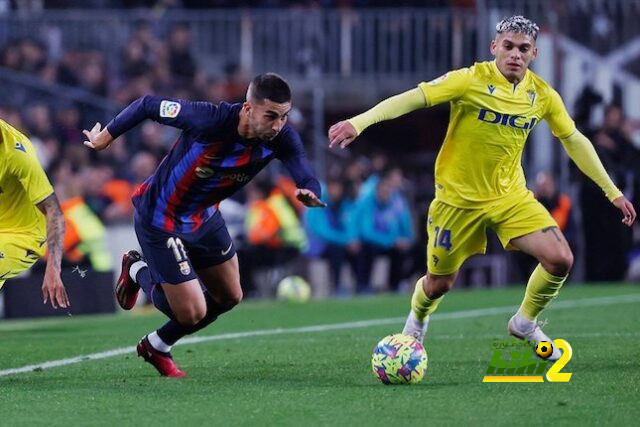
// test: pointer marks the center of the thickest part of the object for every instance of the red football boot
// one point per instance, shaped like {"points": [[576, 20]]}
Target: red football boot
{"points": [[127, 289], [163, 362]]}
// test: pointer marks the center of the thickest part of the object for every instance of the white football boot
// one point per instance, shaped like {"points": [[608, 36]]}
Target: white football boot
{"points": [[414, 327], [522, 328]]}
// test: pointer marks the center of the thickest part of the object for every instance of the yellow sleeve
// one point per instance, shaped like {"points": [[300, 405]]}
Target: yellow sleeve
{"points": [[447, 87], [388, 109], [559, 120], [585, 157], [25, 166]]}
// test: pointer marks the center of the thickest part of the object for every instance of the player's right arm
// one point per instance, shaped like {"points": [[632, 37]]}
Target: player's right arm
{"points": [[186, 115], [443, 89], [24, 165]]}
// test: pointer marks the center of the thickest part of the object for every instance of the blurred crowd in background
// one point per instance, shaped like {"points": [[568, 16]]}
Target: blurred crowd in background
{"points": [[373, 210]]}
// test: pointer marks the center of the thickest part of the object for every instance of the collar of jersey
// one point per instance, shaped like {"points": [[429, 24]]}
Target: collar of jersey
{"points": [[502, 80]]}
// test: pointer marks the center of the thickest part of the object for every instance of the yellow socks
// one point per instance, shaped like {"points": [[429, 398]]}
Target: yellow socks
{"points": [[421, 305], [541, 289]]}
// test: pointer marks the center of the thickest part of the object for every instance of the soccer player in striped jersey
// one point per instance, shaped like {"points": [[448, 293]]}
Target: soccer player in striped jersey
{"points": [[182, 235], [30, 216], [479, 180]]}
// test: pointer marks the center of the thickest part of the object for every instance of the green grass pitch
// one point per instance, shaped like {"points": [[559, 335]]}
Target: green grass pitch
{"points": [[289, 376]]}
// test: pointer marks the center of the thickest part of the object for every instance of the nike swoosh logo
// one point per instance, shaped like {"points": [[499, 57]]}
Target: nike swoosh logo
{"points": [[206, 156], [228, 249]]}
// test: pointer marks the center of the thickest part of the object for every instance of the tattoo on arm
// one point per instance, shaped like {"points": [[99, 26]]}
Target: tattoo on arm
{"points": [[55, 229], [553, 230]]}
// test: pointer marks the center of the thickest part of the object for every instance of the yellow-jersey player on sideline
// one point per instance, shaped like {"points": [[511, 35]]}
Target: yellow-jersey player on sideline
{"points": [[30, 216], [479, 179]]}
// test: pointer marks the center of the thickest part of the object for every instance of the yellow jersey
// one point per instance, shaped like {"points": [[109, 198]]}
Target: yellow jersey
{"points": [[491, 118], [23, 184]]}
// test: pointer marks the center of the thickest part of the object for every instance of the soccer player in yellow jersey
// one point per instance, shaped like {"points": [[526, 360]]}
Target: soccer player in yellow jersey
{"points": [[30, 216], [479, 179]]}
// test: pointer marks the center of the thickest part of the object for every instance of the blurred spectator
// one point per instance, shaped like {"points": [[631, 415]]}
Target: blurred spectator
{"points": [[333, 233], [181, 61], [93, 74], [234, 86], [85, 236], [69, 124], [607, 240], [274, 236], [33, 55], [558, 204], [143, 165], [386, 228], [39, 121]]}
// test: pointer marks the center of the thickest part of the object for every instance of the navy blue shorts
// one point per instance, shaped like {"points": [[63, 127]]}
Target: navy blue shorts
{"points": [[174, 257]]}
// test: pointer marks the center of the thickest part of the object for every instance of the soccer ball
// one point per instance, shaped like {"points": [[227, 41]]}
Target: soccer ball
{"points": [[544, 349], [399, 359], [294, 289]]}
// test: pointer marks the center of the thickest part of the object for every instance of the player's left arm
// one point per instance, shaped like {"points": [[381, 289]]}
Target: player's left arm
{"points": [[291, 153], [52, 287], [581, 151]]}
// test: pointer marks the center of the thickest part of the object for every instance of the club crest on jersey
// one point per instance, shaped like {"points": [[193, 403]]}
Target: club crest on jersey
{"points": [[505, 119], [532, 95], [170, 109], [184, 268], [491, 89]]}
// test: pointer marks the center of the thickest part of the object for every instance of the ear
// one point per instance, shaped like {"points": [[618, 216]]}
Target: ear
{"points": [[246, 106], [493, 47], [534, 54]]}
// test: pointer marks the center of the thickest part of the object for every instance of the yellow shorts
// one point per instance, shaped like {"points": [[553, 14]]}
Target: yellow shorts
{"points": [[18, 252], [455, 234]]}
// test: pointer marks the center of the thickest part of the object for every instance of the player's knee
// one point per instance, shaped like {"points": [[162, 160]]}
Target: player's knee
{"points": [[191, 316], [559, 263], [231, 298], [438, 286]]}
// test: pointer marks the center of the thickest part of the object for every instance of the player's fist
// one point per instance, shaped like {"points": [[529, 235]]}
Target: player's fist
{"points": [[342, 133], [309, 199], [627, 209], [97, 139]]}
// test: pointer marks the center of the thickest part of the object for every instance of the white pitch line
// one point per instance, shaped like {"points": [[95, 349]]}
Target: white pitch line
{"points": [[586, 302]]}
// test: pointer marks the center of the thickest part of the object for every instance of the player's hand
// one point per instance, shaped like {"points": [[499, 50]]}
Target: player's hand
{"points": [[342, 133], [309, 199], [97, 139], [53, 290], [627, 210]]}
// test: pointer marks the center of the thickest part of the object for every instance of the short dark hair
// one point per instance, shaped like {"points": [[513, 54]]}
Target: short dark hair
{"points": [[269, 86]]}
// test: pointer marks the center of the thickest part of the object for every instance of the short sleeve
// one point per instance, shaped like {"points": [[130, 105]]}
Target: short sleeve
{"points": [[25, 166]]}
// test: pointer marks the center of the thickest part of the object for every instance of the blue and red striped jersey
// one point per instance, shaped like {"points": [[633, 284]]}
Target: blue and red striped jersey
{"points": [[209, 162]]}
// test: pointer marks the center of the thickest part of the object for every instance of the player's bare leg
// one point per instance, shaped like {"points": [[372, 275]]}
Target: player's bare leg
{"points": [[551, 249], [223, 284], [427, 295], [186, 305]]}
